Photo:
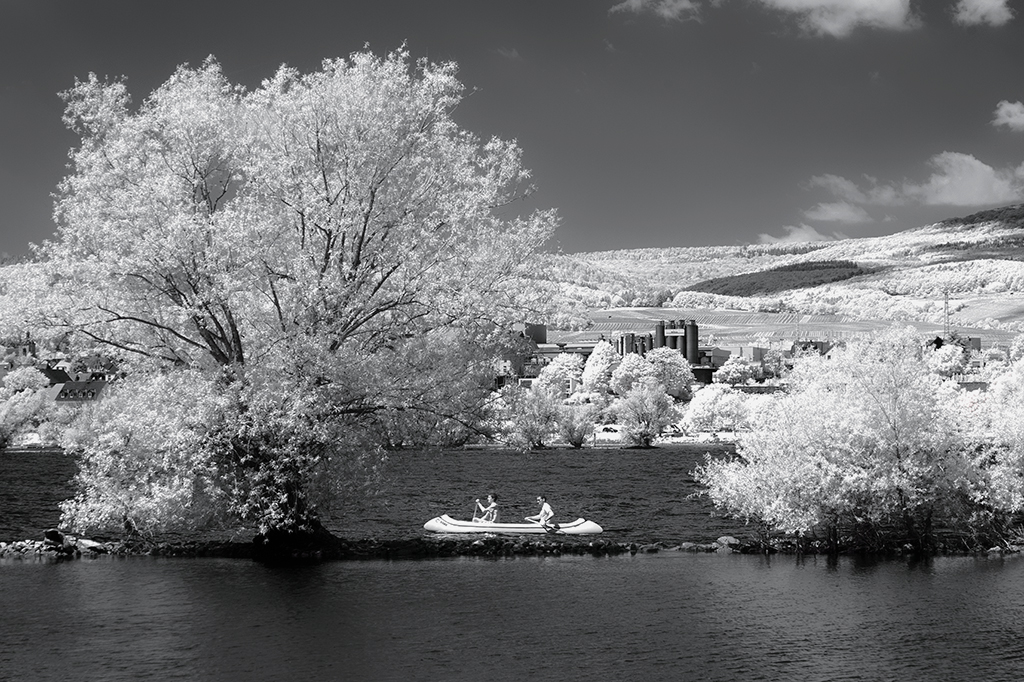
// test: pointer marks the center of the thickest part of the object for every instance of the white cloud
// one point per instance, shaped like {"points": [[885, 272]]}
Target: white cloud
{"points": [[838, 212], [677, 10], [962, 180], [795, 234], [1009, 114], [836, 18], [958, 180], [512, 54], [839, 18], [840, 187], [976, 12]]}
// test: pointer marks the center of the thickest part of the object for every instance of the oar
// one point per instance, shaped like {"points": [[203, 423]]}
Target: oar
{"points": [[552, 528]]}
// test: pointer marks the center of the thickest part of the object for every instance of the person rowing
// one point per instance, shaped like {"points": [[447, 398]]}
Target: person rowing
{"points": [[488, 514], [544, 516]]}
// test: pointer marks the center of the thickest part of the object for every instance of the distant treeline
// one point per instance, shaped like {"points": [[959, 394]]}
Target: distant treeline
{"points": [[1002, 248], [783, 278], [1013, 216]]}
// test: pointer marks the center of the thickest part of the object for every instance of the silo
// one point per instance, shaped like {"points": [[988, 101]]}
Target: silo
{"points": [[659, 334], [692, 353]]}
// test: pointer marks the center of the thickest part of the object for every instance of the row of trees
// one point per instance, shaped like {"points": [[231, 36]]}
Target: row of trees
{"points": [[291, 278], [874, 446], [570, 396]]}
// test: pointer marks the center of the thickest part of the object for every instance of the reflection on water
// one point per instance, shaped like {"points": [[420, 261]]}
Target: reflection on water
{"points": [[664, 616]]}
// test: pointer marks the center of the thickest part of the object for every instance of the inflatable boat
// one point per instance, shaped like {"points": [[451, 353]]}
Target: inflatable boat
{"points": [[446, 524]]}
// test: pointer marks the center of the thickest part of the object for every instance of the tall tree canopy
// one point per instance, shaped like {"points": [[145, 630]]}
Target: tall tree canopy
{"points": [[341, 207], [331, 249]]}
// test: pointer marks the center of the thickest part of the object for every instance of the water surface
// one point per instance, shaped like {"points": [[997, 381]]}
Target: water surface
{"points": [[640, 495], [671, 615], [666, 616]]}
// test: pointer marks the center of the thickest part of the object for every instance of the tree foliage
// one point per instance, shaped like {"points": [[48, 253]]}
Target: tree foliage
{"points": [[672, 371], [563, 370], [575, 422], [24, 403], [597, 371], [716, 408], [23, 379], [345, 205], [143, 467], [865, 442], [736, 370], [631, 370], [948, 360], [529, 416], [644, 411], [313, 247]]}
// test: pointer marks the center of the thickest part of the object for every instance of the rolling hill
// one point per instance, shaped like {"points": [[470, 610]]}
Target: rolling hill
{"points": [[965, 274]]}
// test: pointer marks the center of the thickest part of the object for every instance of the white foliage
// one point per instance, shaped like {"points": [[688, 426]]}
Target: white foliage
{"points": [[631, 370], [597, 372], [869, 436]]}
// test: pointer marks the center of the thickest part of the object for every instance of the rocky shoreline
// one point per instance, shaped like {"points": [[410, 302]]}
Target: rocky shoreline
{"points": [[56, 546]]}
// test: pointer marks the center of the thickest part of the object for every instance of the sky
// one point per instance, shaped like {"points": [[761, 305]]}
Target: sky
{"points": [[646, 123]]}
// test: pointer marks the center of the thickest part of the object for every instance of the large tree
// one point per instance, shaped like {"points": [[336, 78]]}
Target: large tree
{"points": [[597, 371], [318, 240], [341, 207], [867, 442], [672, 371]]}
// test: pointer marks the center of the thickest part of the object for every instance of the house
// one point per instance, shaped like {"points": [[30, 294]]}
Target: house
{"points": [[55, 375], [80, 391]]}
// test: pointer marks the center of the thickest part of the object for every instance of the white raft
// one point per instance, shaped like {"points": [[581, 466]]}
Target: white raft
{"points": [[446, 524]]}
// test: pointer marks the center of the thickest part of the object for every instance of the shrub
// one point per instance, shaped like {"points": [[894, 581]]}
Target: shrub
{"points": [[644, 412]]}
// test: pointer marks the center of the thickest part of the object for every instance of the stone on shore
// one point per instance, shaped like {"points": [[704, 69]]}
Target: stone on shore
{"points": [[85, 545], [727, 542]]}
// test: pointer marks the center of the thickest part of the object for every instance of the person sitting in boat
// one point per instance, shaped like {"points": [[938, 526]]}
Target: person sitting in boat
{"points": [[489, 514], [545, 515]]}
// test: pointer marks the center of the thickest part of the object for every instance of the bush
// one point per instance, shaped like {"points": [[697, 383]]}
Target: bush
{"points": [[644, 412], [576, 423], [869, 443], [715, 408], [736, 370], [143, 464], [528, 417]]}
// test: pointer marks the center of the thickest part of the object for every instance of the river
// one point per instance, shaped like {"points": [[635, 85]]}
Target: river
{"points": [[670, 615]]}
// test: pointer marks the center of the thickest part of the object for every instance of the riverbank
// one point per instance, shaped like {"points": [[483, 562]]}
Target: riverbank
{"points": [[646, 501], [58, 547]]}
